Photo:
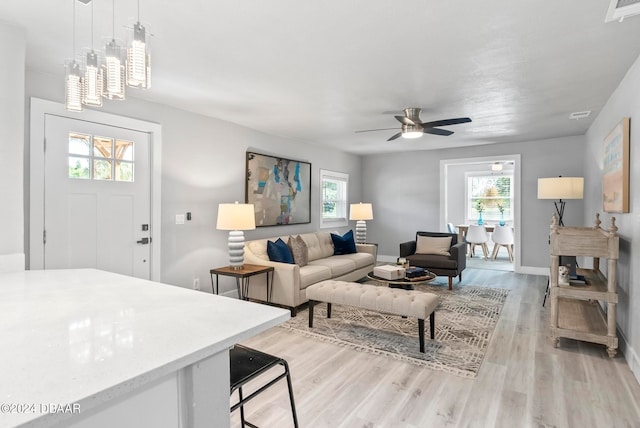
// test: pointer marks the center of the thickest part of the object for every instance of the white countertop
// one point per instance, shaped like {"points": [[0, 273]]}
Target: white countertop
{"points": [[86, 336]]}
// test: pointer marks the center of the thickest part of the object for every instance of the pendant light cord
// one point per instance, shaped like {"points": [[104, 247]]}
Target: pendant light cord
{"points": [[113, 20], [91, 26], [73, 26]]}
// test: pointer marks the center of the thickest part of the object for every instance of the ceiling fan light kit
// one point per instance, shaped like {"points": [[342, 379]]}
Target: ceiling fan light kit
{"points": [[412, 127]]}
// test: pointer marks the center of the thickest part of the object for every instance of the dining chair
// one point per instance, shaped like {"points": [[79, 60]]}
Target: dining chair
{"points": [[502, 236], [477, 235]]}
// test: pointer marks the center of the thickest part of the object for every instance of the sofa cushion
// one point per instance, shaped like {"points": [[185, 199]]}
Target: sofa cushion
{"points": [[299, 250], [279, 252], [343, 244], [432, 261], [310, 274], [360, 259], [338, 265], [433, 245]]}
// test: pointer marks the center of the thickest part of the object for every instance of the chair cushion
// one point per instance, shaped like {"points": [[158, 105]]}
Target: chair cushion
{"points": [[338, 265], [279, 252], [433, 245], [299, 250], [432, 261], [360, 259], [343, 244], [310, 274]]}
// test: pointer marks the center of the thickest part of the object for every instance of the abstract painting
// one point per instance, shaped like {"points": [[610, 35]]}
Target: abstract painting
{"points": [[615, 178], [279, 189]]}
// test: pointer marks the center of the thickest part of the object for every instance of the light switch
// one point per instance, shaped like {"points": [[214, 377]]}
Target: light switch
{"points": [[179, 218]]}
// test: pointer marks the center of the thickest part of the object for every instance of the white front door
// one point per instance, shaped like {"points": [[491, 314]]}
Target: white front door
{"points": [[97, 197]]}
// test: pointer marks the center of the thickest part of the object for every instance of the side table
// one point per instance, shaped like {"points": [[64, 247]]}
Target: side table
{"points": [[242, 277]]}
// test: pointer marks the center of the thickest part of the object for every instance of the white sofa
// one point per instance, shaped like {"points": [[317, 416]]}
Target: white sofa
{"points": [[291, 280]]}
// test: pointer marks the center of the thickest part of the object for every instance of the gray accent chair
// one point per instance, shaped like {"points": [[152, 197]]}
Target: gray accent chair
{"points": [[449, 266]]}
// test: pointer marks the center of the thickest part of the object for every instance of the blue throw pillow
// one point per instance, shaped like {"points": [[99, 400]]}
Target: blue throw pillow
{"points": [[279, 252], [343, 244]]}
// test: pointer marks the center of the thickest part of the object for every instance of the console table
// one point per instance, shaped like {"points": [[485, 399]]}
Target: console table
{"points": [[118, 351]]}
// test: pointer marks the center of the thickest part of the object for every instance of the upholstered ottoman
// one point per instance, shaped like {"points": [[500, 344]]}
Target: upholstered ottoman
{"points": [[407, 303]]}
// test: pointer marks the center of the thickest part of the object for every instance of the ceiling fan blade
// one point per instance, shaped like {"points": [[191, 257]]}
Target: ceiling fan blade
{"points": [[395, 136], [405, 120], [446, 122], [437, 131], [380, 129]]}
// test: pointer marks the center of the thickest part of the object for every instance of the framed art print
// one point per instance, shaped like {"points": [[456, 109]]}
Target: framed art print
{"points": [[615, 172], [279, 189]]}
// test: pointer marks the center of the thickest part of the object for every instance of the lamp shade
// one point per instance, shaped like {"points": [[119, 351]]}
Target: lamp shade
{"points": [[360, 212], [236, 217], [561, 188]]}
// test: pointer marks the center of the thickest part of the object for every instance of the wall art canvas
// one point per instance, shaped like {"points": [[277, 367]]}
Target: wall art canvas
{"points": [[615, 178], [279, 189]]}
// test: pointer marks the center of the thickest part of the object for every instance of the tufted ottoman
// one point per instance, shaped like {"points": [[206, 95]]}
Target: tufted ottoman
{"points": [[407, 303]]}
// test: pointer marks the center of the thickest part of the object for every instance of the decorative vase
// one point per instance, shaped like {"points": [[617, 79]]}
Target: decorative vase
{"points": [[480, 222], [501, 219]]}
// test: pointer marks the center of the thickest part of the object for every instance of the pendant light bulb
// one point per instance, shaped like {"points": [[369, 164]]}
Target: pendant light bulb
{"points": [[73, 87], [138, 59], [73, 78], [93, 82], [113, 67], [113, 72]]}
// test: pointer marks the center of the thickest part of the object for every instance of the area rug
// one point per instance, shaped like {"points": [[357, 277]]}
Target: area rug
{"points": [[465, 319]]}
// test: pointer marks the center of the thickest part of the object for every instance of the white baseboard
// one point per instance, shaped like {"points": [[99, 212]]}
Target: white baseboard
{"points": [[387, 259], [529, 270], [630, 355], [12, 262]]}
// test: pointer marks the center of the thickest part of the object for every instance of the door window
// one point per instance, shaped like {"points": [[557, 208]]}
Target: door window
{"points": [[100, 158]]}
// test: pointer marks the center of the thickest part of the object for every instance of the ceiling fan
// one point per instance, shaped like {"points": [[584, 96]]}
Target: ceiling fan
{"points": [[413, 127]]}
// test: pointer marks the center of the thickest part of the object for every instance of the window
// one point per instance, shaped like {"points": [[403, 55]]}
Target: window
{"points": [[333, 211], [100, 158], [491, 193]]}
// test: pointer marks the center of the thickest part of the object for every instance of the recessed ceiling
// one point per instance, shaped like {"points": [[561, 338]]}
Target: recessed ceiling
{"points": [[316, 72]]}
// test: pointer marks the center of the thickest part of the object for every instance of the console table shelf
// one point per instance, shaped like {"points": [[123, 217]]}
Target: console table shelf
{"points": [[577, 311]]}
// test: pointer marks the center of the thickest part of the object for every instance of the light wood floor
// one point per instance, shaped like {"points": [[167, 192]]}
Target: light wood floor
{"points": [[523, 382]]}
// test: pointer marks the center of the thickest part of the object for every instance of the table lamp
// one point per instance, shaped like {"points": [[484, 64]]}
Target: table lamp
{"points": [[361, 212], [235, 218], [560, 188]]}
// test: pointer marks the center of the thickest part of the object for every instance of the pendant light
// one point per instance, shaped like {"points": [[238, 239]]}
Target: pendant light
{"points": [[138, 58], [114, 76], [93, 79], [73, 81]]}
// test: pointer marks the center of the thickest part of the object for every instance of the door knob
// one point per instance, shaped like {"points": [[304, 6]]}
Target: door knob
{"points": [[143, 241]]}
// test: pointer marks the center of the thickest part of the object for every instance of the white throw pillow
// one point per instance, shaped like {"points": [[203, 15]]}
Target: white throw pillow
{"points": [[433, 245]]}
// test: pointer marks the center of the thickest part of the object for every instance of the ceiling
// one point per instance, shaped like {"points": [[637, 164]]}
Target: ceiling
{"points": [[317, 71]]}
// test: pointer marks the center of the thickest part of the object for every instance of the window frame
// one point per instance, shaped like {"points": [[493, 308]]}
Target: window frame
{"points": [[343, 181], [470, 213]]}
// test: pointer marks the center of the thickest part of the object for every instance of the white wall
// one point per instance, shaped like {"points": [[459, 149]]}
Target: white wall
{"points": [[204, 165], [12, 52], [624, 102], [404, 189]]}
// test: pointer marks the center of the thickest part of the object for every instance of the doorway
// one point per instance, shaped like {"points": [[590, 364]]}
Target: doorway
{"points": [[94, 192], [456, 208]]}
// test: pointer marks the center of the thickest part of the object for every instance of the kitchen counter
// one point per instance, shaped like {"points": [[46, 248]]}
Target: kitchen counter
{"points": [[84, 347]]}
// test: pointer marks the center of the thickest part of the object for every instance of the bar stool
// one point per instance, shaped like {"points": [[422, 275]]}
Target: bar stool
{"points": [[247, 364]]}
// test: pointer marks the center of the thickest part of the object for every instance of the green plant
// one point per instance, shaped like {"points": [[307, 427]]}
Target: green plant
{"points": [[479, 206], [501, 207]]}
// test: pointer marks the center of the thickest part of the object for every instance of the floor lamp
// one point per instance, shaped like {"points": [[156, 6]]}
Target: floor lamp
{"points": [[235, 218], [560, 188], [361, 212]]}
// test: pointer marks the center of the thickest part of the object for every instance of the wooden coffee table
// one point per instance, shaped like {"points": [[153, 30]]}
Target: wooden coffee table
{"points": [[404, 283]]}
